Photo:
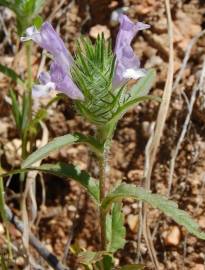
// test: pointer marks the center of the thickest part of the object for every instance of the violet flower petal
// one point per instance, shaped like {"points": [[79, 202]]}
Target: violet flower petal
{"points": [[64, 83], [39, 90], [127, 63], [48, 39], [44, 77], [58, 78]]}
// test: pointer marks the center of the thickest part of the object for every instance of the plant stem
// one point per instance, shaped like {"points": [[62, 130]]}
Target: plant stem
{"points": [[102, 175], [29, 67], [4, 217], [29, 85]]}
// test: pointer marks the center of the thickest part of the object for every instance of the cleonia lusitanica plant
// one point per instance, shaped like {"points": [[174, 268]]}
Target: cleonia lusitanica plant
{"points": [[96, 79]]}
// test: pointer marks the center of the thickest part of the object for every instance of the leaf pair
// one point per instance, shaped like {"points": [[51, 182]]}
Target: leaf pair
{"points": [[123, 191]]}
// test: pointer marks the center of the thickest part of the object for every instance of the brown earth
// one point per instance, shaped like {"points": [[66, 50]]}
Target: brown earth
{"points": [[68, 213]]}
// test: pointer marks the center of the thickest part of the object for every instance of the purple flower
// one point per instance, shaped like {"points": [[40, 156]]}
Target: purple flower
{"points": [[59, 77], [127, 63]]}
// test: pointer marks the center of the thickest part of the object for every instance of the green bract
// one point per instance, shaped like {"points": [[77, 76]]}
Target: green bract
{"points": [[93, 73], [26, 12]]}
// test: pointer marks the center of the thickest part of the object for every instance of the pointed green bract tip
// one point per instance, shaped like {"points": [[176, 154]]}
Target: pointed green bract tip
{"points": [[93, 73]]}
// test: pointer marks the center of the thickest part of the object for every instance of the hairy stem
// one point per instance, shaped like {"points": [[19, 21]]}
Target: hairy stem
{"points": [[102, 176]]}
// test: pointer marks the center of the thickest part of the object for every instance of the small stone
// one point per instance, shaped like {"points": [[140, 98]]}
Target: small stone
{"points": [[146, 129], [82, 243], [198, 267], [153, 61], [20, 261], [172, 236], [132, 221], [72, 208], [135, 175], [202, 222], [161, 26], [13, 152], [98, 29], [126, 210], [49, 247], [2, 231], [3, 127]]}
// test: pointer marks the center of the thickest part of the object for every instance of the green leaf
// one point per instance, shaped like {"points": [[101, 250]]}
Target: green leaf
{"points": [[3, 262], [65, 171], [9, 73], [2, 202], [25, 112], [143, 86], [15, 109], [168, 207], [58, 143], [108, 262], [130, 104], [115, 229], [132, 267]]}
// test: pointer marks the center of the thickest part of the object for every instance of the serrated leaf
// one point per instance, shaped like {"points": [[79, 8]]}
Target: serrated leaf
{"points": [[143, 86], [58, 143], [132, 267], [65, 171], [115, 230], [9, 73], [168, 207]]}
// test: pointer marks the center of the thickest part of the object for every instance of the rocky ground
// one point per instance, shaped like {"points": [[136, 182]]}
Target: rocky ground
{"points": [[68, 213]]}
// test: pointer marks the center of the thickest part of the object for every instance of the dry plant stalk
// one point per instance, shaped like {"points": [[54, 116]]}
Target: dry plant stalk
{"points": [[198, 87], [160, 123], [29, 195]]}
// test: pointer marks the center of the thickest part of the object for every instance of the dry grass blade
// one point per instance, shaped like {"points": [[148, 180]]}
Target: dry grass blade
{"points": [[160, 123], [29, 195], [186, 58], [197, 87]]}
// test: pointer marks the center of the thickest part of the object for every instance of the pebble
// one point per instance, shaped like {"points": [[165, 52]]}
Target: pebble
{"points": [[13, 152], [126, 210], [98, 29], [172, 236], [20, 261], [202, 222], [2, 231], [198, 267], [132, 221], [72, 208]]}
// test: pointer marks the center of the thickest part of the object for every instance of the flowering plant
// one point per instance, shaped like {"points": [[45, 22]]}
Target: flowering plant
{"points": [[96, 79]]}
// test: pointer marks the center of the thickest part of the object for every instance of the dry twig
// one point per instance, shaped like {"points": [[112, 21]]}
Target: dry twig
{"points": [[43, 252]]}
